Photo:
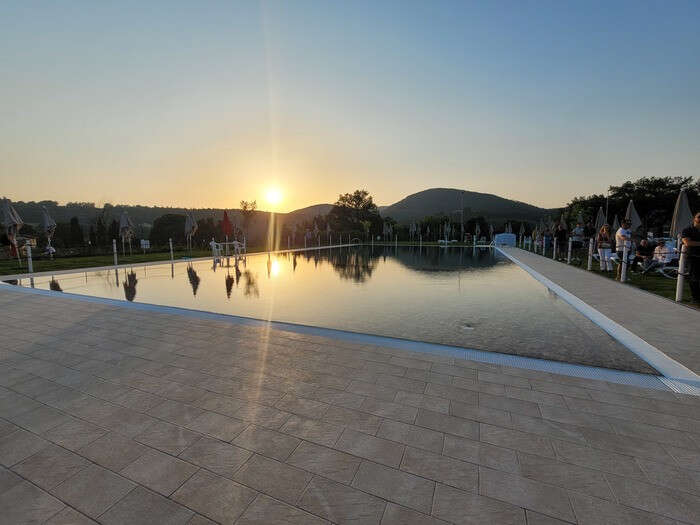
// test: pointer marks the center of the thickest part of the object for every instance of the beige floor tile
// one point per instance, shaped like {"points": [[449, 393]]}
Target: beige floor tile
{"points": [[275, 479], [215, 497], [394, 485], [159, 472], [340, 503], [324, 461]]}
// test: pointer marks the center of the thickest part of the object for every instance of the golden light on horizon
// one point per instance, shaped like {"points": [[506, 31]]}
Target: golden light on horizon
{"points": [[273, 195]]}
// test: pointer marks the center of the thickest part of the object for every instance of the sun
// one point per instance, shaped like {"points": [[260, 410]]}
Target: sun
{"points": [[273, 196]]}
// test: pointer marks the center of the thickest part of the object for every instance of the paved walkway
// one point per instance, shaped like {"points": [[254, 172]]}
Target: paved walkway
{"points": [[123, 416], [670, 327]]}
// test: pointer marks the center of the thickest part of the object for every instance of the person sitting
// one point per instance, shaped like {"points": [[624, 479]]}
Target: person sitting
{"points": [[643, 255], [663, 255]]}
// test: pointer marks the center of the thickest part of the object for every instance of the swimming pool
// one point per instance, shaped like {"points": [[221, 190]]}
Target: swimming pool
{"points": [[451, 296]]}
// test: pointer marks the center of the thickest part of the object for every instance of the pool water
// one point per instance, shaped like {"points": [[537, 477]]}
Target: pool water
{"points": [[453, 296]]}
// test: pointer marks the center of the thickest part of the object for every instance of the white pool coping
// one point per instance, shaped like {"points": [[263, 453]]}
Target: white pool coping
{"points": [[668, 367]]}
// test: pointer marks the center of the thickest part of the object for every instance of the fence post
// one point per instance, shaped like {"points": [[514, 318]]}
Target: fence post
{"points": [[590, 254], [554, 249], [170, 242], [30, 263], [396, 241], [623, 273], [114, 249], [680, 282], [568, 255]]}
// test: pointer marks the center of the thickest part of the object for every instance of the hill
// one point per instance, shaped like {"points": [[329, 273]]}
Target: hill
{"points": [[447, 201]]}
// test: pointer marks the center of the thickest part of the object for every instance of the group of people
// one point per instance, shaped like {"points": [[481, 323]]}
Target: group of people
{"points": [[642, 254], [651, 255], [645, 254]]}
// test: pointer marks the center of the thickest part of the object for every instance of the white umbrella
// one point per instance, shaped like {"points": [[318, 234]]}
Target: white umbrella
{"points": [[491, 230], [126, 229], [632, 216], [522, 228], [599, 219], [48, 226], [562, 221], [13, 222], [616, 224], [190, 227], [579, 218], [682, 216]]}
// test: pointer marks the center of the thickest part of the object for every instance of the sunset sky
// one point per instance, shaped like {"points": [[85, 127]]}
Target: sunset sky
{"points": [[206, 103]]}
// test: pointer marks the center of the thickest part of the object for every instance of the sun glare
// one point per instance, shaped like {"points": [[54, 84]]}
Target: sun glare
{"points": [[273, 196]]}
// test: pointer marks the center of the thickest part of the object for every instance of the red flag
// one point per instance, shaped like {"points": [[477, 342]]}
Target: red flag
{"points": [[226, 226]]}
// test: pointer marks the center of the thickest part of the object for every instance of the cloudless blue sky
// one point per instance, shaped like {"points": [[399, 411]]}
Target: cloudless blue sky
{"points": [[207, 103]]}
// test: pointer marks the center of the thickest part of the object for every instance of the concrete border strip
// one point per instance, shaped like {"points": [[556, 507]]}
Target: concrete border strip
{"points": [[667, 366]]}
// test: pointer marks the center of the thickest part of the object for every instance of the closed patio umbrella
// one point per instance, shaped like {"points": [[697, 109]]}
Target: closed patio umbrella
{"points": [[632, 216], [190, 229], [579, 218], [615, 224], [13, 222], [682, 216], [562, 221], [126, 230], [48, 226], [600, 219]]}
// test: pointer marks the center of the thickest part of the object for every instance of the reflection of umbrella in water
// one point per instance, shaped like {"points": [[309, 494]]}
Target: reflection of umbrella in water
{"points": [[251, 285], [130, 286], [238, 275], [294, 262], [53, 285], [229, 284], [193, 278]]}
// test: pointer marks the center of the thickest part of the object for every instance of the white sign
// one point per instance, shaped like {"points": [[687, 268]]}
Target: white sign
{"points": [[145, 244]]}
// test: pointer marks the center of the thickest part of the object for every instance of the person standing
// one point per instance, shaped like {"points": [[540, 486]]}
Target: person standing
{"points": [[604, 243], [560, 236], [623, 237], [691, 239]]}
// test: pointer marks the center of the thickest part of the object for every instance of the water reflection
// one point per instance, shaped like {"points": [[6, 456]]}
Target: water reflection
{"points": [[193, 278], [130, 286], [53, 285], [229, 285], [463, 297], [250, 288]]}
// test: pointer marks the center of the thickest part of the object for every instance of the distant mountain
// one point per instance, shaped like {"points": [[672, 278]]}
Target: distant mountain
{"points": [[446, 201], [308, 213]]}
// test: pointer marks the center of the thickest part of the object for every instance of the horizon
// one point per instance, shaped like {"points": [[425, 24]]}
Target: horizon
{"points": [[182, 106]]}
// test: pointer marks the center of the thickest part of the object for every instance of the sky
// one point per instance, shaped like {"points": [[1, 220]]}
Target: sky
{"points": [[203, 104]]}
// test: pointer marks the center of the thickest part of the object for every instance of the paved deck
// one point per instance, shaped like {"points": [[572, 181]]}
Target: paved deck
{"points": [[669, 326], [124, 416]]}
